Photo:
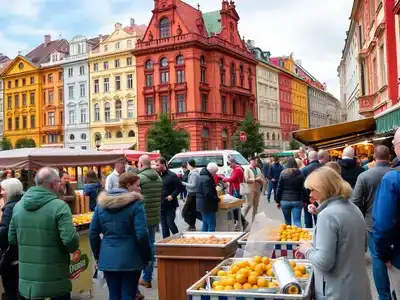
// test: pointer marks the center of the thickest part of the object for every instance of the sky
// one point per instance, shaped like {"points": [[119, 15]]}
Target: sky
{"points": [[313, 30]]}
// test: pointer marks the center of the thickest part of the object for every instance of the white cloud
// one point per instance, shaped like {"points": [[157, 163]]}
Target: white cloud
{"points": [[25, 8], [11, 46]]}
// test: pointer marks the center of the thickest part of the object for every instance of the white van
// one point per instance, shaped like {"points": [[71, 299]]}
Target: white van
{"points": [[203, 158]]}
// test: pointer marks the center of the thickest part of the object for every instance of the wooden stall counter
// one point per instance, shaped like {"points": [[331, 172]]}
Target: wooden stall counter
{"points": [[225, 219], [185, 257]]}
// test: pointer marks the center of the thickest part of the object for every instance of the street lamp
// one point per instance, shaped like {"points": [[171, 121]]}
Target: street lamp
{"points": [[97, 142]]}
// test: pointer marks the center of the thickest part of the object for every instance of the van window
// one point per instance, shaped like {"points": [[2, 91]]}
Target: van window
{"points": [[239, 159], [201, 161]]}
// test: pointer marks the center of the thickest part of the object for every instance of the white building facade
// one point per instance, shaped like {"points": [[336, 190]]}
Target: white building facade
{"points": [[76, 93], [324, 108], [349, 76]]}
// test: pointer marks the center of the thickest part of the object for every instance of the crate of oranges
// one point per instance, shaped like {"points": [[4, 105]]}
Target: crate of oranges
{"points": [[251, 278]]}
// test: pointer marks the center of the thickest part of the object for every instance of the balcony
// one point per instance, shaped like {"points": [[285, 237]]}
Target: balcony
{"points": [[147, 118], [166, 87], [52, 128], [180, 86], [149, 90], [118, 122], [366, 105]]}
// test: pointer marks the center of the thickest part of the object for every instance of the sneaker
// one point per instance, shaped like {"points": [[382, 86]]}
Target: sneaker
{"points": [[191, 228], [146, 284]]}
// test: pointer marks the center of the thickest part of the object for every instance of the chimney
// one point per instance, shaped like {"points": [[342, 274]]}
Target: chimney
{"points": [[132, 22], [117, 26], [47, 39]]}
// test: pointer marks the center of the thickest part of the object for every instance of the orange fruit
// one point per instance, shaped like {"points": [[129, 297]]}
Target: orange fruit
{"points": [[298, 274], [265, 260], [253, 265], [270, 273], [229, 288], [261, 282], [259, 269], [237, 286], [305, 275], [257, 259], [247, 286], [215, 283], [252, 280], [241, 278], [244, 271], [230, 281], [219, 288], [292, 264], [297, 269], [268, 267], [255, 286], [302, 269], [254, 274], [221, 273], [234, 269], [272, 285], [244, 264]]}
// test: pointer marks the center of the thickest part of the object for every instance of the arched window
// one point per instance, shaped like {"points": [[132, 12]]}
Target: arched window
{"points": [[149, 64], [180, 60], [131, 133], [107, 111], [97, 136], [273, 136], [233, 74], [164, 62], [267, 135], [203, 78], [224, 135], [108, 135], [165, 28], [241, 69], [202, 60], [83, 136], [205, 136], [279, 136], [97, 112], [129, 107], [71, 137], [221, 63], [119, 135], [118, 109]]}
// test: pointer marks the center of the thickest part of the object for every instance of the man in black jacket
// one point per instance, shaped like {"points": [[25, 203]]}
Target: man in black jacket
{"points": [[349, 166], [206, 197], [169, 197]]}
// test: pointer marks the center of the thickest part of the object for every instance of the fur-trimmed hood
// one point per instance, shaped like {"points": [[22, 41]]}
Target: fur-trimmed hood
{"points": [[117, 199]]}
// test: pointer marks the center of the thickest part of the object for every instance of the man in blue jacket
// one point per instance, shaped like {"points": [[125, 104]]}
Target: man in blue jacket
{"points": [[386, 220], [273, 176]]}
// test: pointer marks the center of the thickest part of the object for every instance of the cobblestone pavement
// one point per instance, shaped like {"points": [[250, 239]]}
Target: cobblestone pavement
{"points": [[270, 211]]}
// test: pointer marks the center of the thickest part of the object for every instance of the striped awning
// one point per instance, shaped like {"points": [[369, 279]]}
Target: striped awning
{"points": [[389, 120]]}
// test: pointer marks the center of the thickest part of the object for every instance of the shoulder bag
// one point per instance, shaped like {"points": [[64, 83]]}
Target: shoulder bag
{"points": [[244, 187]]}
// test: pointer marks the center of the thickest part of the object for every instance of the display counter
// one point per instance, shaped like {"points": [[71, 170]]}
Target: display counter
{"points": [[225, 219], [185, 257]]}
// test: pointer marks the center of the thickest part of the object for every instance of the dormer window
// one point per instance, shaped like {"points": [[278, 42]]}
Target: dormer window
{"points": [[165, 30], [54, 57]]}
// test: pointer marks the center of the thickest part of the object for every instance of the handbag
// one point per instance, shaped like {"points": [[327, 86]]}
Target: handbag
{"points": [[244, 187], [4, 260]]}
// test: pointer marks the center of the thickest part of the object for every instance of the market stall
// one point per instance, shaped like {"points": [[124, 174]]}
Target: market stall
{"points": [[190, 255], [133, 155], [225, 219]]}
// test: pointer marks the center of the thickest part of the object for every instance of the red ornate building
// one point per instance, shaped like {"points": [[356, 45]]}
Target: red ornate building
{"points": [[286, 106], [196, 68]]}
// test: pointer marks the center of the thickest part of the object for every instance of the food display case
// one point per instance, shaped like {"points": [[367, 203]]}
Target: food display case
{"points": [[190, 255], [225, 219], [214, 287]]}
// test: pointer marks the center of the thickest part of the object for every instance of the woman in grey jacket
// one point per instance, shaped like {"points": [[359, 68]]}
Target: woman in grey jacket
{"points": [[337, 251], [189, 212]]}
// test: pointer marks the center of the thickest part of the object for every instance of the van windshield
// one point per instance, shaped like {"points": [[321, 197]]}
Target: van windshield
{"points": [[239, 159], [201, 161]]}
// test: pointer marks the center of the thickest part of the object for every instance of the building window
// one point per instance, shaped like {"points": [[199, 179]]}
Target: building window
{"points": [[33, 122], [375, 75], [106, 85], [23, 82], [82, 70], [222, 71], [233, 75], [117, 45], [9, 102], [32, 80], [108, 135], [129, 81], [164, 28], [16, 99], [61, 95], [97, 112], [17, 123], [96, 67], [117, 63], [83, 137], [202, 69], [51, 97], [105, 48], [52, 138], [83, 115], [105, 65], [72, 137], [32, 98], [16, 82], [71, 117], [9, 125], [164, 62], [204, 104], [224, 136], [60, 75], [181, 102], [223, 104], [164, 77], [131, 133], [52, 120], [149, 80], [129, 61], [50, 78], [82, 90], [149, 106], [149, 65], [382, 63], [118, 109], [129, 44], [180, 60], [180, 76], [117, 83], [165, 104], [23, 99], [205, 136], [70, 92], [70, 72], [129, 109], [234, 110], [96, 86], [119, 135], [107, 111]]}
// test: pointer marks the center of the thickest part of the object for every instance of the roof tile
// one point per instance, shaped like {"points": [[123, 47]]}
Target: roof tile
{"points": [[42, 52]]}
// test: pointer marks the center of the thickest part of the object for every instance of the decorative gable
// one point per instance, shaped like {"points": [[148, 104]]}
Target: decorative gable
{"points": [[229, 24], [19, 65]]}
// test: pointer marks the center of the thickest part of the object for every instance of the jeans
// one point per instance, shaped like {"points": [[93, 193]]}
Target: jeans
{"points": [[148, 271], [209, 222], [168, 223], [122, 285], [65, 297], [308, 218], [10, 283], [272, 185], [379, 271], [290, 208]]}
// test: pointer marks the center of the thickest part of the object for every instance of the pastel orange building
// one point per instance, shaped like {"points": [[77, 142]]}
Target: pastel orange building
{"points": [[196, 68]]}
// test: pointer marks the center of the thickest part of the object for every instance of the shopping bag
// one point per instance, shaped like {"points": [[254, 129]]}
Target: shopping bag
{"points": [[244, 189], [99, 279]]}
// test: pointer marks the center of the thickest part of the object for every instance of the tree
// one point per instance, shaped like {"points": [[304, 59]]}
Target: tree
{"points": [[5, 144], [255, 139], [25, 143], [163, 137], [294, 145]]}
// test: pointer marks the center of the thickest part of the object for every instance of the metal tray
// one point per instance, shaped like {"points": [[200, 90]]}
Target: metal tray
{"points": [[233, 235], [194, 290], [243, 240]]}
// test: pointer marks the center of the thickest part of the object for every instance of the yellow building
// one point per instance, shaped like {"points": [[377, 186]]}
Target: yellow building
{"points": [[113, 93], [300, 103], [24, 98]]}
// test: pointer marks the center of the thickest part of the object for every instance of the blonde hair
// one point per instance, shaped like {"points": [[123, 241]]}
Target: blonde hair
{"points": [[335, 166], [328, 182]]}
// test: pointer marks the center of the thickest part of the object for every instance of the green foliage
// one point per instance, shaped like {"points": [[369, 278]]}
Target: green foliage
{"points": [[5, 144], [255, 139], [162, 136], [294, 145], [25, 143]]}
